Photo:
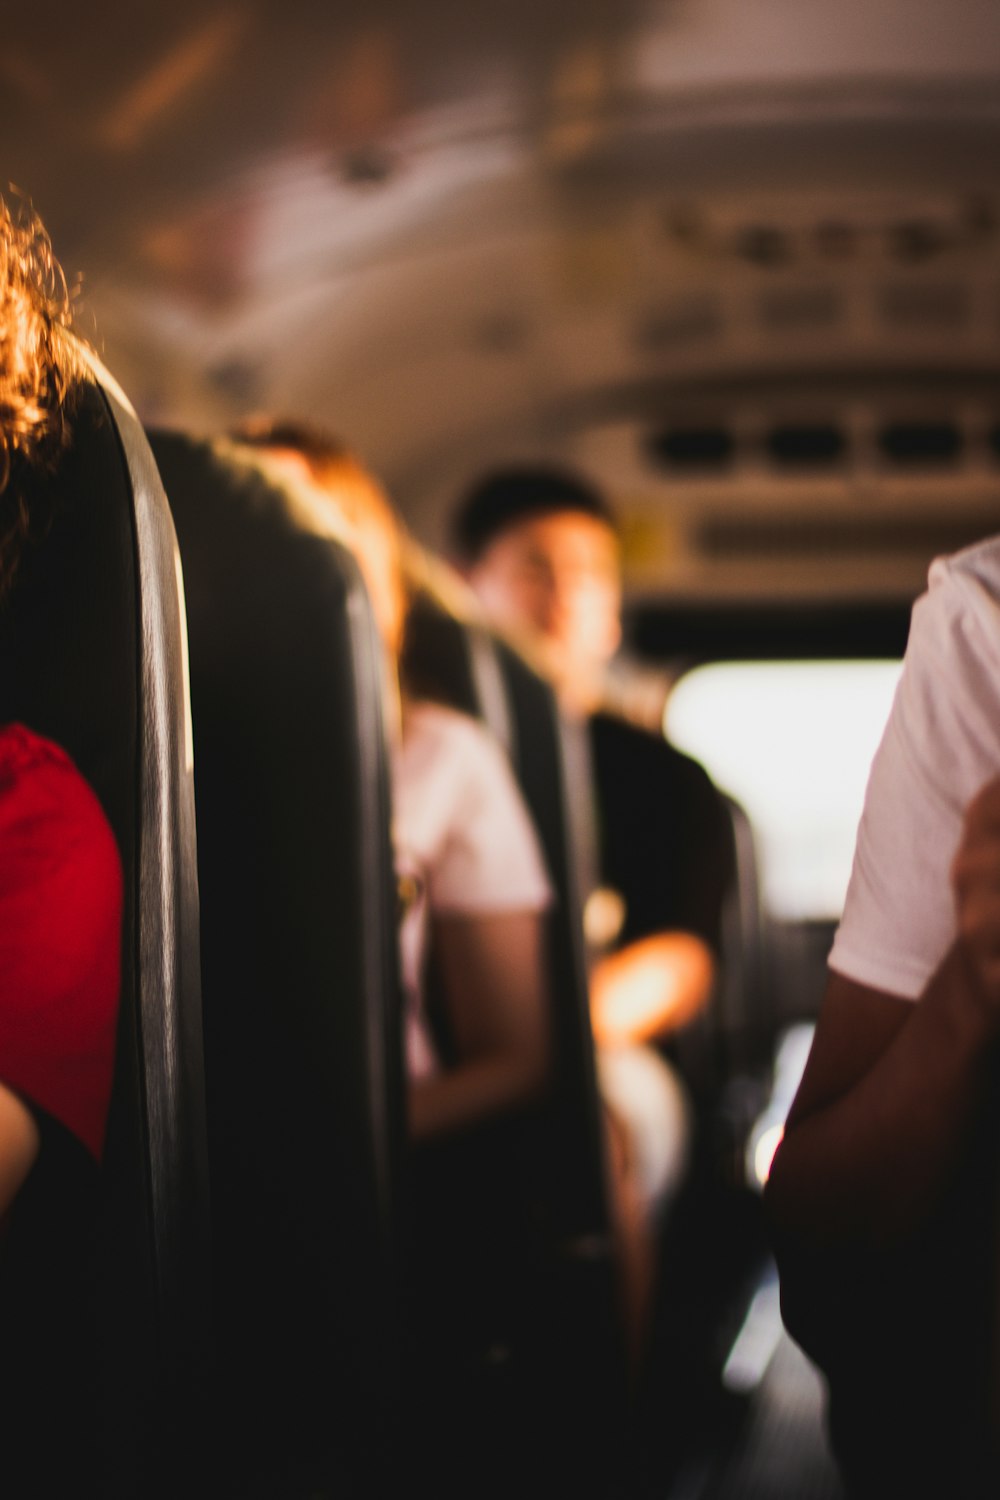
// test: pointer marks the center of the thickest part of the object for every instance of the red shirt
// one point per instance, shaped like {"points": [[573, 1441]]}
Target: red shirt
{"points": [[60, 936]]}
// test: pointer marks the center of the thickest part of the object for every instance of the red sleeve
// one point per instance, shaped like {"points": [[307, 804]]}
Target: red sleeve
{"points": [[60, 936]]}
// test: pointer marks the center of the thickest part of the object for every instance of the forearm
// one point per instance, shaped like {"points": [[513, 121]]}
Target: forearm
{"points": [[472, 1092], [862, 1166], [492, 980], [18, 1145], [650, 988]]}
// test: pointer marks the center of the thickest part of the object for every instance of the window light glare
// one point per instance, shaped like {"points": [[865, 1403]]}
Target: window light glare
{"points": [[765, 1149], [793, 742]]}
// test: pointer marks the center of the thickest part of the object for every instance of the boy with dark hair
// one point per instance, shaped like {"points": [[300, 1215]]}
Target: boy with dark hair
{"points": [[539, 547]]}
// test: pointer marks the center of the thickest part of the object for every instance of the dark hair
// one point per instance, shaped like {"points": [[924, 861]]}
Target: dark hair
{"points": [[510, 495], [319, 449]]}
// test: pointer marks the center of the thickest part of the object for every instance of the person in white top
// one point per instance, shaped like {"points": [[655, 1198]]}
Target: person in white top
{"points": [[941, 746], [472, 878], [893, 1097], [465, 849]]}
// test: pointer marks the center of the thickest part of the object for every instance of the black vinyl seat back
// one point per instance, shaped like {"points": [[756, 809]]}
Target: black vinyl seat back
{"points": [[92, 655], [463, 665], [536, 746], [746, 1029], [299, 969], [572, 1368]]}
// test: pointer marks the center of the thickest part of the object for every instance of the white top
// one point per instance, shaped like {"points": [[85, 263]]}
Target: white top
{"points": [[941, 745], [463, 842]]}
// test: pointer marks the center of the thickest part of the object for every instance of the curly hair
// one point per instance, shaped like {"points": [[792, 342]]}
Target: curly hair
{"points": [[38, 367]]}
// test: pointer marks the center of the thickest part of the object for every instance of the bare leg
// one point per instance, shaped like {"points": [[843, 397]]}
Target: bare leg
{"points": [[635, 1240]]}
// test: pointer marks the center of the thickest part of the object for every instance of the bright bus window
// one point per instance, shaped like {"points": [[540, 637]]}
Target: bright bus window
{"points": [[793, 742]]}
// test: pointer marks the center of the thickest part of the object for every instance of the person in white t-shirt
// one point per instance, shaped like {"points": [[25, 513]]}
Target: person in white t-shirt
{"points": [[902, 1066], [472, 877], [468, 858]]}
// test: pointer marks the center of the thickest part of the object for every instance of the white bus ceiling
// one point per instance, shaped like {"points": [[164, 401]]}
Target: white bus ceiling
{"points": [[736, 258]]}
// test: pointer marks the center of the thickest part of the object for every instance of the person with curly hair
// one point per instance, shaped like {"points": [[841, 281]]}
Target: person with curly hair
{"points": [[39, 367], [60, 874]]}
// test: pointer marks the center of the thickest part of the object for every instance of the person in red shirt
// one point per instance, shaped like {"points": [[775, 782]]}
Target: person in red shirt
{"points": [[60, 875], [60, 953]]}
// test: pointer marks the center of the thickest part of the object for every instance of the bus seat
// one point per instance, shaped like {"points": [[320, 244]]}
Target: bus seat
{"points": [[456, 663], [303, 1042], [92, 655], [465, 666], [536, 739], [745, 1021], [722, 1049]]}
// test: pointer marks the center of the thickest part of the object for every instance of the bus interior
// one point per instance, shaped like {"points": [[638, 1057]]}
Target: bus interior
{"points": [[738, 264]]}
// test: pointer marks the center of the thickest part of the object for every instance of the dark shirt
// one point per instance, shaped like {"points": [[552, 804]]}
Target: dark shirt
{"points": [[665, 837]]}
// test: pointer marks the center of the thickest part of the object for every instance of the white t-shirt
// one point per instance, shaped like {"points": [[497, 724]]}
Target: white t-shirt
{"points": [[941, 745], [463, 843]]}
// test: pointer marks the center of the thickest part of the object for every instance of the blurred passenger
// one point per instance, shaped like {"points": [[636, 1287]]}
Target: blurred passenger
{"points": [[883, 1193], [654, 848], [60, 877], [470, 869], [540, 549]]}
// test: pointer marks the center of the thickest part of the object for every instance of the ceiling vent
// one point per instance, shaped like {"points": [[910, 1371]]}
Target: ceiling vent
{"points": [[788, 309], [921, 443], [703, 448], [806, 445], [681, 324], [727, 537], [936, 306]]}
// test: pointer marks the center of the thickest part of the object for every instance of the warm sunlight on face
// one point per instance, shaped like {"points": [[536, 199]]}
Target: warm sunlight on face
{"points": [[793, 742], [556, 575]]}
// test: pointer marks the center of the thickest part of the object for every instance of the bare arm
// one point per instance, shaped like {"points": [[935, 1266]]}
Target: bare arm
{"points": [[650, 988], [891, 1091], [492, 975], [18, 1145]]}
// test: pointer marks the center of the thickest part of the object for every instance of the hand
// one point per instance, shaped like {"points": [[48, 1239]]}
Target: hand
{"points": [[649, 988], [975, 876], [18, 1145]]}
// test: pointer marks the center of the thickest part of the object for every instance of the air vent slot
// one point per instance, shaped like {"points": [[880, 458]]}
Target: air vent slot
{"points": [[694, 448], [764, 245], [672, 327], [915, 443], [800, 307], [806, 445], [942, 305], [729, 537], [821, 445]]}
